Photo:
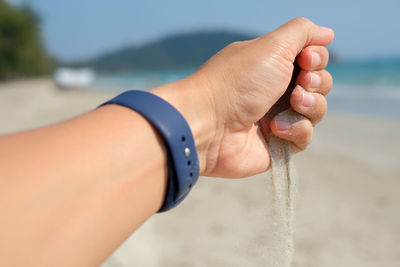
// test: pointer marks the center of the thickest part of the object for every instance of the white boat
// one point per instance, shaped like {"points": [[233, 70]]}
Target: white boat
{"points": [[74, 78]]}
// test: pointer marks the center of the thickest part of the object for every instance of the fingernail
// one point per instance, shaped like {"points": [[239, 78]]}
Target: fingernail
{"points": [[316, 59], [308, 99], [315, 80], [282, 125]]}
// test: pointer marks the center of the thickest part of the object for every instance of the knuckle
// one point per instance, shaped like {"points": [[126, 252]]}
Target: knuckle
{"points": [[305, 22], [324, 107], [323, 51], [327, 82], [236, 44], [306, 135], [317, 114], [326, 53], [329, 79]]}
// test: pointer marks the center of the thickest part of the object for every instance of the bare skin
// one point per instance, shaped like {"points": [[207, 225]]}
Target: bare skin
{"points": [[72, 192]]}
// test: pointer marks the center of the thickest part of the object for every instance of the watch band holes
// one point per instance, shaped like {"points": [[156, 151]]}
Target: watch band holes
{"points": [[189, 162], [183, 139]]}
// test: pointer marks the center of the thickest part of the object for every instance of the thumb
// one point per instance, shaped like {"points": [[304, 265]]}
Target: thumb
{"points": [[300, 33]]}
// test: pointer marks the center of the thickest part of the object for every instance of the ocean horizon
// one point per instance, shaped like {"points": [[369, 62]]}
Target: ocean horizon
{"points": [[362, 88]]}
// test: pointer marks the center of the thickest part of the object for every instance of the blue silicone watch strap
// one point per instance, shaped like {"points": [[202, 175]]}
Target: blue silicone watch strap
{"points": [[183, 164]]}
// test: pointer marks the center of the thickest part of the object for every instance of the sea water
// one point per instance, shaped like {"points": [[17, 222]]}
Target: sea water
{"points": [[369, 88], [366, 88]]}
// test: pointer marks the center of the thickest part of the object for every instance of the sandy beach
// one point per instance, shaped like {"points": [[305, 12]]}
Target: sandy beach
{"points": [[347, 211]]}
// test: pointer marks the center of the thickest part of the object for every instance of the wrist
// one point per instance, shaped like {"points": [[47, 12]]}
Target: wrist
{"points": [[196, 106]]}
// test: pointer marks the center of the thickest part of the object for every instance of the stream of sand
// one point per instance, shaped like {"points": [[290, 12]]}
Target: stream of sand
{"points": [[284, 190]]}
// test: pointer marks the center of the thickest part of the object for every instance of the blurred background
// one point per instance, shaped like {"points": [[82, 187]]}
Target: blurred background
{"points": [[62, 58]]}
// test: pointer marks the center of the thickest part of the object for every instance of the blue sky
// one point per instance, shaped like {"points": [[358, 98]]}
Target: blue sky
{"points": [[79, 29]]}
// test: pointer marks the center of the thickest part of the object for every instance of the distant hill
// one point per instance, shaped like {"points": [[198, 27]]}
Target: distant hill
{"points": [[183, 50]]}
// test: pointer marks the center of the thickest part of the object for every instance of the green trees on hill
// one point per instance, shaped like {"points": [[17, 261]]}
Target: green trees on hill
{"points": [[177, 51], [21, 49]]}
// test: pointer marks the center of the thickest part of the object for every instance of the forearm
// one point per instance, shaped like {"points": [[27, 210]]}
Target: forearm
{"points": [[73, 191]]}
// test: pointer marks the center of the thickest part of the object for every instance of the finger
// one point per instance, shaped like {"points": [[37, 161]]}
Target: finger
{"points": [[313, 58], [311, 105], [296, 129], [300, 33], [315, 81]]}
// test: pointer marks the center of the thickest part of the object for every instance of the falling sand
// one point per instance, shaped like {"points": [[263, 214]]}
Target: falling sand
{"points": [[284, 189], [283, 180], [284, 183]]}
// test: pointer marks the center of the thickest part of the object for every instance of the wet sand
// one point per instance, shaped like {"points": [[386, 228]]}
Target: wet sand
{"points": [[347, 212]]}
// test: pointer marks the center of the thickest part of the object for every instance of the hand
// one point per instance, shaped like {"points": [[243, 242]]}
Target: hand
{"points": [[237, 87]]}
